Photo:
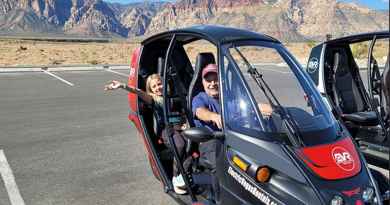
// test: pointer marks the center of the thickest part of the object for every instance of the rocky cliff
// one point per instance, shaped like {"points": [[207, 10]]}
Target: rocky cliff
{"points": [[33, 16], [81, 17], [94, 18], [137, 20], [283, 19], [318, 18], [6, 6], [26, 21], [291, 20]]}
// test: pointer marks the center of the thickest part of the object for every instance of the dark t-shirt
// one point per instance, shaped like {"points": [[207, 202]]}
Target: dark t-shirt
{"points": [[210, 103]]}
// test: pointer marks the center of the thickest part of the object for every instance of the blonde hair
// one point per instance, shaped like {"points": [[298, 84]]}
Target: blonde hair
{"points": [[149, 81]]}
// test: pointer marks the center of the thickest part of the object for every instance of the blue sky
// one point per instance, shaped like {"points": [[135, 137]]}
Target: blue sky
{"points": [[375, 4]]}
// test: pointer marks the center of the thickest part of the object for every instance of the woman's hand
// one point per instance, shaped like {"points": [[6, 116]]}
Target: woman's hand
{"points": [[113, 85]]}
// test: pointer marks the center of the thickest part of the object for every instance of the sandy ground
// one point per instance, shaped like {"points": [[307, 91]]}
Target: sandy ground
{"points": [[43, 53], [36, 53], [26, 53]]}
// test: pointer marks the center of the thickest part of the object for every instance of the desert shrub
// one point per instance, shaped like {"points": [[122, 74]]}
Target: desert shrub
{"points": [[93, 62], [56, 61], [359, 50], [311, 43]]}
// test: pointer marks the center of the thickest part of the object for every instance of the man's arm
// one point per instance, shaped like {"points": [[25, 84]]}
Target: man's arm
{"points": [[206, 115], [265, 109]]}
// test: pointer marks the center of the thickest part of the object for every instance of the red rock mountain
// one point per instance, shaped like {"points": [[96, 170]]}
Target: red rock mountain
{"points": [[291, 20], [283, 19]]}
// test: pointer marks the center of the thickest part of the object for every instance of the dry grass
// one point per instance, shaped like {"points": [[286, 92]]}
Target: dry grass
{"points": [[381, 48], [37, 53], [19, 52]]}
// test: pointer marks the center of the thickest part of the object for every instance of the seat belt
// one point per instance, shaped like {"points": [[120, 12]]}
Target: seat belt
{"points": [[336, 97]]}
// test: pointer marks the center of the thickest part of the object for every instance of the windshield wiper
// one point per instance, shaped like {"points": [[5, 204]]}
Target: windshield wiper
{"points": [[291, 125]]}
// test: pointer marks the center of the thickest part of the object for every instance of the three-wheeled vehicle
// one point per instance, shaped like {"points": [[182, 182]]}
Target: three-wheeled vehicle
{"points": [[352, 74], [300, 154]]}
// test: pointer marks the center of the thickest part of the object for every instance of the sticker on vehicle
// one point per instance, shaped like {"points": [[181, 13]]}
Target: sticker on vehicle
{"points": [[258, 193], [132, 72], [343, 158], [313, 65]]}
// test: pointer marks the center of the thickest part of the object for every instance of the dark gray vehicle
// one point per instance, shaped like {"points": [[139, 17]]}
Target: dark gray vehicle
{"points": [[300, 154], [352, 74]]}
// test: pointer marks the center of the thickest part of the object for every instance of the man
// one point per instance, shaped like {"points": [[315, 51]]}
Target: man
{"points": [[205, 105], [207, 111]]}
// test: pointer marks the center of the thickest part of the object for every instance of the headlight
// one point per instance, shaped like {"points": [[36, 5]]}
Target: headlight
{"points": [[337, 200], [368, 194]]}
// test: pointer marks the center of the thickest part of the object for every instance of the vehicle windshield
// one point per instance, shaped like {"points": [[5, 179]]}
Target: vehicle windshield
{"points": [[266, 91]]}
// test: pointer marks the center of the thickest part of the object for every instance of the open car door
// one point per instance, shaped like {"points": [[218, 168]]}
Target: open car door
{"points": [[135, 112], [348, 72]]}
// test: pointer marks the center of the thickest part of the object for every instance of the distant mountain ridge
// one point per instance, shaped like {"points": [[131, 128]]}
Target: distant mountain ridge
{"points": [[290, 20], [94, 18], [283, 19]]}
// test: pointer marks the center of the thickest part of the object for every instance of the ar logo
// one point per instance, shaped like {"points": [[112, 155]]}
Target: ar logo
{"points": [[313, 65], [132, 72], [343, 158]]}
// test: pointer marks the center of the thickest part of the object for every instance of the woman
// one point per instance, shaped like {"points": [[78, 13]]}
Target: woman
{"points": [[153, 96]]}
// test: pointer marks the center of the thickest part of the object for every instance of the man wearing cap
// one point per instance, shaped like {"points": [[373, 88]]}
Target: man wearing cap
{"points": [[205, 105], [206, 110]]}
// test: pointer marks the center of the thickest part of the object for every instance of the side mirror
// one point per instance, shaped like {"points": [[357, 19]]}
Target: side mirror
{"points": [[200, 134]]}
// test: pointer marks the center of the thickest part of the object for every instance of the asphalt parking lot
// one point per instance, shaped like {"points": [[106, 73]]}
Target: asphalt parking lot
{"points": [[69, 142]]}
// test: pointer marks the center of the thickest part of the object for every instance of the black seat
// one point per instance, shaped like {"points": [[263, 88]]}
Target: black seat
{"points": [[196, 86], [385, 81], [347, 94], [362, 118]]}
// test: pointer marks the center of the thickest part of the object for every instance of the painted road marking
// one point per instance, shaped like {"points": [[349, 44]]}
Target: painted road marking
{"points": [[59, 78], [9, 181], [112, 71]]}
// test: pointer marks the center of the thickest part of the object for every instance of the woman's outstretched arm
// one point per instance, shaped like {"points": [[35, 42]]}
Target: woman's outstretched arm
{"points": [[113, 85]]}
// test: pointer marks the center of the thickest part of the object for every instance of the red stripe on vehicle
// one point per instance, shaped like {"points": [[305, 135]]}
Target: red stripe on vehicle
{"points": [[338, 160]]}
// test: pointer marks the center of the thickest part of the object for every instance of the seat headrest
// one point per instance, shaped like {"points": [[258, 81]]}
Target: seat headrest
{"points": [[160, 66], [202, 60], [341, 64], [196, 86]]}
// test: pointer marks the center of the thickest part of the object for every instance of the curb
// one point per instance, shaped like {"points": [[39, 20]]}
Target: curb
{"points": [[62, 68]]}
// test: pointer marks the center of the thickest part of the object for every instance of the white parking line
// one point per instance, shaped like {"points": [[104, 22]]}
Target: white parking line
{"points": [[9, 181], [112, 71], [59, 78]]}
